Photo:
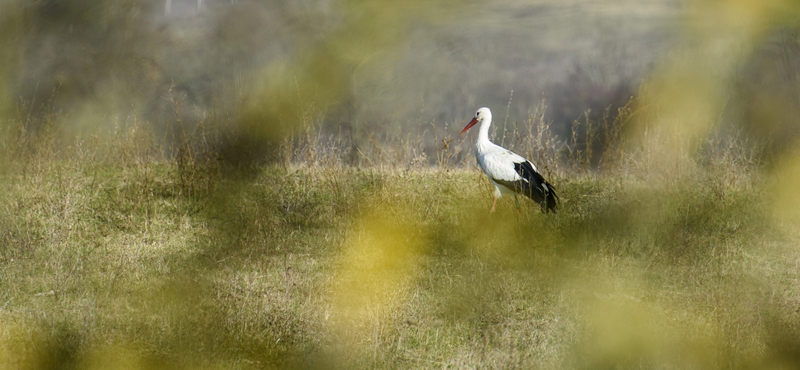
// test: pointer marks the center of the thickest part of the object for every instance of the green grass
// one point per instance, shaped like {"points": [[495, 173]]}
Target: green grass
{"points": [[136, 262]]}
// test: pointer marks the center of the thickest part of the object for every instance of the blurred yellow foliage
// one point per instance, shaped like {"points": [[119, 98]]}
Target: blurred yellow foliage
{"points": [[375, 271], [786, 190]]}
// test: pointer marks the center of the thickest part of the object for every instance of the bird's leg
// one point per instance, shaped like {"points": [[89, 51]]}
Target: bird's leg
{"points": [[516, 200], [493, 204]]}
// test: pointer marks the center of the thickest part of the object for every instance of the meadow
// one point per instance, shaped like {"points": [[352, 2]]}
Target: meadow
{"points": [[115, 255], [275, 185]]}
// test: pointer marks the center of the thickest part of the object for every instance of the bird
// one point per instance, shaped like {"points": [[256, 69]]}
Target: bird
{"points": [[509, 172]]}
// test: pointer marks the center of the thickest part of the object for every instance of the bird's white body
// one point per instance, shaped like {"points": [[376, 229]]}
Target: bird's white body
{"points": [[495, 161], [509, 172]]}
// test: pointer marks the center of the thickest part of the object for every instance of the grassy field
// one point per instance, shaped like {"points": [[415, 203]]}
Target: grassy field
{"points": [[257, 185], [114, 257]]}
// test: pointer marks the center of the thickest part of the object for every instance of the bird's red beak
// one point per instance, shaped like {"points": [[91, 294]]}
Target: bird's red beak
{"points": [[470, 124]]}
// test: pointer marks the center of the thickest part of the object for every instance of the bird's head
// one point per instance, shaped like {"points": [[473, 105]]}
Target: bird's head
{"points": [[480, 116]]}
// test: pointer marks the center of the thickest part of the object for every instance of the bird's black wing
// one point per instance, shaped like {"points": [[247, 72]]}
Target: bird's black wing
{"points": [[533, 185]]}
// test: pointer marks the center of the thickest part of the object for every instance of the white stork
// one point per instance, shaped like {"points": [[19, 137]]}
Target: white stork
{"points": [[509, 172]]}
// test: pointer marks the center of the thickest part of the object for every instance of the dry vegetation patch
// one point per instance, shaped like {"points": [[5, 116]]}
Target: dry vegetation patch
{"points": [[110, 249]]}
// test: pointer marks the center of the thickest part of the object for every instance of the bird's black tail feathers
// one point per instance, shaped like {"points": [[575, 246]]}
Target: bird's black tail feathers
{"points": [[534, 186]]}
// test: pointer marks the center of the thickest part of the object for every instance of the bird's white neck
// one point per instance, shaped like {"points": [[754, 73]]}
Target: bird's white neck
{"points": [[483, 132]]}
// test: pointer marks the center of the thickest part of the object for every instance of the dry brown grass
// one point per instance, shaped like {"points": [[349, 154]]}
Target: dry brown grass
{"points": [[113, 252]]}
